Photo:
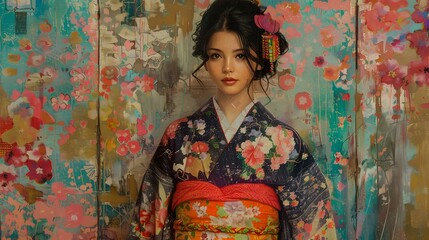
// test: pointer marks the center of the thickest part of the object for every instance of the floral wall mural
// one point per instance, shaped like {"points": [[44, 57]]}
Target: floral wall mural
{"points": [[88, 87]]}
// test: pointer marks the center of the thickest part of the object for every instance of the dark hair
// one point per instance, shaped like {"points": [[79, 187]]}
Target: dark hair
{"points": [[235, 16]]}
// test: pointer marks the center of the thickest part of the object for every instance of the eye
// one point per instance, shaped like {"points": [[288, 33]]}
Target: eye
{"points": [[214, 56], [241, 56]]}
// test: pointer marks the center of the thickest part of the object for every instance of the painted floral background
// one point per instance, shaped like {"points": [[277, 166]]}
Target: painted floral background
{"points": [[87, 88]]}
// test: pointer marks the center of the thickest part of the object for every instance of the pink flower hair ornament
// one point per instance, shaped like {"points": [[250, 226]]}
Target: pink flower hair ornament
{"points": [[267, 23], [270, 41]]}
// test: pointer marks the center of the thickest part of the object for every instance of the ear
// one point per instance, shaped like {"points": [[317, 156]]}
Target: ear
{"points": [[258, 67]]}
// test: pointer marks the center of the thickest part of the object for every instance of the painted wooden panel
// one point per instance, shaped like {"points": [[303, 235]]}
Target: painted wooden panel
{"points": [[86, 90]]}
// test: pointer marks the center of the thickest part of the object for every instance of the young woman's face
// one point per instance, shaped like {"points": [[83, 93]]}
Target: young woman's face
{"points": [[228, 66]]}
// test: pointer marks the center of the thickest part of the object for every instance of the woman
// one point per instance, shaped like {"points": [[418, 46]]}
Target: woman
{"points": [[232, 170]]}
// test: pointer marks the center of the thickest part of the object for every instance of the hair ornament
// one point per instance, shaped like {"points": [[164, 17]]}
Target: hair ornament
{"points": [[270, 41]]}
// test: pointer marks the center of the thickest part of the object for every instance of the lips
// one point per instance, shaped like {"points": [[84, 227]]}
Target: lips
{"points": [[229, 81]]}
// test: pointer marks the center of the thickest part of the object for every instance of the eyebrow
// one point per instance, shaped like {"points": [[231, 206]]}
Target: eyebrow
{"points": [[216, 49]]}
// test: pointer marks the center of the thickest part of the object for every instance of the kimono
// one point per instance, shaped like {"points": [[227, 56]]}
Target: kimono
{"points": [[257, 156]]}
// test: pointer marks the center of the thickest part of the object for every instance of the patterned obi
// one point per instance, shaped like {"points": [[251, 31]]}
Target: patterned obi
{"points": [[239, 211]]}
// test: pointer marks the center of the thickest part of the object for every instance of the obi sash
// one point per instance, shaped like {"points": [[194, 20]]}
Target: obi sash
{"points": [[238, 211]]}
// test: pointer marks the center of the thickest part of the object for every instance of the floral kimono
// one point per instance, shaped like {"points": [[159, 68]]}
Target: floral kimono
{"points": [[252, 179]]}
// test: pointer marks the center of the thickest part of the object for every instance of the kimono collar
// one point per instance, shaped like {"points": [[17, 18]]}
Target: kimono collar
{"points": [[228, 128]]}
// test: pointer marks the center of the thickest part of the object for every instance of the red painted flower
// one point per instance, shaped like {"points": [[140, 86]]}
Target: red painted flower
{"points": [[141, 126], [122, 150], [134, 147], [303, 100], [123, 135], [147, 83], [7, 177], [40, 171], [421, 15], [319, 61], [287, 81], [420, 41]]}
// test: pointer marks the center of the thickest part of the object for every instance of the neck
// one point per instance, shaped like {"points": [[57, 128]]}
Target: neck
{"points": [[232, 106]]}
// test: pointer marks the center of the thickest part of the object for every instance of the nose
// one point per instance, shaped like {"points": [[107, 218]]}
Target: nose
{"points": [[228, 65]]}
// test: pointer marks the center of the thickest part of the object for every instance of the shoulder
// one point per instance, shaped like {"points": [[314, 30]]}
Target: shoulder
{"points": [[271, 122], [180, 126]]}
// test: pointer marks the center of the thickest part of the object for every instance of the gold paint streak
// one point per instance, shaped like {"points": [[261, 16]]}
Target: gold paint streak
{"points": [[81, 144], [10, 72], [132, 186], [4, 102], [113, 197], [180, 15], [418, 131], [13, 58]]}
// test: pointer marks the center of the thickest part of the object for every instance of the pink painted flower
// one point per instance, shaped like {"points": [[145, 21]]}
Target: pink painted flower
{"points": [[35, 60], [45, 211], [392, 73], [418, 72], [45, 43], [74, 217], [134, 147], [50, 72], [17, 156], [303, 100], [123, 135], [253, 155], [287, 81], [395, 4], [290, 12], [379, 18], [7, 177], [81, 93], [61, 102], [330, 36], [127, 88], [60, 192]]}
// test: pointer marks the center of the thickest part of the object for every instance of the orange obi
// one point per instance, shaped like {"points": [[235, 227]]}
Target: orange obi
{"points": [[245, 210]]}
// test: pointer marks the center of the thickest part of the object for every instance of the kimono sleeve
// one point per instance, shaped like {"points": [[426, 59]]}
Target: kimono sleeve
{"points": [[306, 206], [153, 215]]}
